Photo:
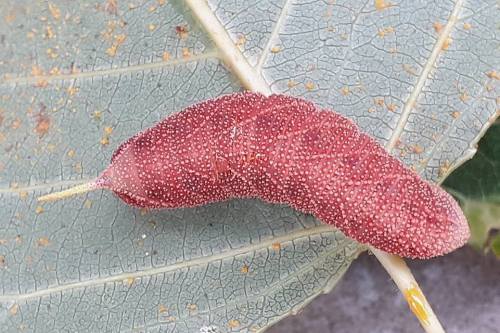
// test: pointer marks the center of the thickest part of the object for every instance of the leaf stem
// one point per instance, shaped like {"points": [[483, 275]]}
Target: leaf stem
{"points": [[229, 52], [78, 189], [404, 279]]}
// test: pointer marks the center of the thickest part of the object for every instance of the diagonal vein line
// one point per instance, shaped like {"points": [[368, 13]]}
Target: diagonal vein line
{"points": [[323, 228], [228, 51], [42, 187], [274, 34], [113, 71], [429, 65], [342, 246]]}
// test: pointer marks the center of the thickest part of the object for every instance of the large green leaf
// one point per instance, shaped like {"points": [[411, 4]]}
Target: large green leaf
{"points": [[77, 78], [477, 185]]}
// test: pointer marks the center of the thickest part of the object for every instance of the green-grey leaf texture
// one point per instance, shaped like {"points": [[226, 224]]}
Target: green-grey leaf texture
{"points": [[71, 69]]}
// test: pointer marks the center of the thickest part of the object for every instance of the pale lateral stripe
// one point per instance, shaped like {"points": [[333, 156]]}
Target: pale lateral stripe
{"points": [[43, 187], [228, 51], [323, 228], [429, 65], [113, 71], [274, 34]]}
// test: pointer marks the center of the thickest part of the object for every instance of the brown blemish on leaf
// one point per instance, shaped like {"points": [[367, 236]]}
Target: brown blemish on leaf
{"points": [[18, 239], [54, 11], [244, 269], [392, 107], [78, 167], [36, 70], [192, 307], [447, 43], [30, 34], [43, 241], [51, 147], [241, 40], [71, 153], [3, 241], [345, 91], [151, 27], [161, 2], [112, 7], [409, 69], [455, 114], [42, 124], [151, 9], [310, 85], [129, 281], [23, 195], [371, 110], [417, 149], [72, 90], [382, 4], [275, 49], [379, 101], [438, 27], [54, 71], [385, 31], [42, 83], [467, 26], [97, 115], [233, 323], [52, 53], [444, 168], [276, 246], [182, 31], [493, 75], [291, 83], [464, 97], [119, 39], [2, 261], [87, 204], [186, 53], [49, 33], [162, 308], [39, 210], [14, 309], [9, 18], [16, 123], [165, 56], [107, 133]]}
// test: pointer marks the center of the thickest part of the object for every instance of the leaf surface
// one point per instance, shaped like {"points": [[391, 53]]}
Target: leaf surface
{"points": [[477, 185], [79, 78]]}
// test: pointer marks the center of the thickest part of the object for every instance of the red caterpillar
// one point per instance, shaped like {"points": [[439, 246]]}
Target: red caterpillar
{"points": [[283, 149]]}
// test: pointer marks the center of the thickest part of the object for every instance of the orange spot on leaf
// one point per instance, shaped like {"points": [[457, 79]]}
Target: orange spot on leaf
{"points": [[43, 241], [382, 4]]}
